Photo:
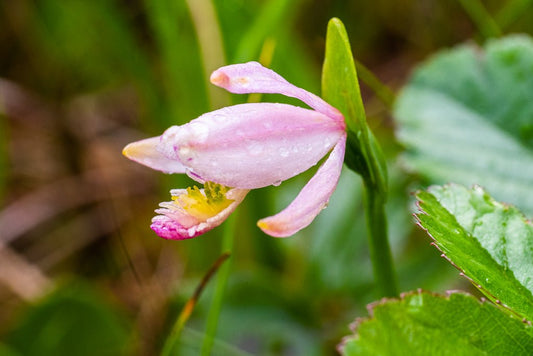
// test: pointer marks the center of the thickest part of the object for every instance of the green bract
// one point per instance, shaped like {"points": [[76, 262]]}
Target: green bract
{"points": [[340, 88]]}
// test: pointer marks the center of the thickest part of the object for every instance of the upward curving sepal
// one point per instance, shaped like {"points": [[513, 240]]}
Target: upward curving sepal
{"points": [[252, 77]]}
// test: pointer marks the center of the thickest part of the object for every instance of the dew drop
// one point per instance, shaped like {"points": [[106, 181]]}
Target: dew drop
{"points": [[184, 151], [199, 131], [255, 149], [218, 118], [283, 152], [276, 183]]}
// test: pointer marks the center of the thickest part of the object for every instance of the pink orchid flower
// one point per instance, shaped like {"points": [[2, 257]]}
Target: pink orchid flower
{"points": [[243, 147]]}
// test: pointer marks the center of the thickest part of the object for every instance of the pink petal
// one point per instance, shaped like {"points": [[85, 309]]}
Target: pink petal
{"points": [[173, 225], [252, 145], [252, 77], [311, 200], [145, 152]]}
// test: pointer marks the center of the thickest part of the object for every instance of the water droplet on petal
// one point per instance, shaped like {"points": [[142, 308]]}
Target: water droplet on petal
{"points": [[184, 151], [198, 131], [283, 152], [276, 183], [255, 148], [217, 117]]}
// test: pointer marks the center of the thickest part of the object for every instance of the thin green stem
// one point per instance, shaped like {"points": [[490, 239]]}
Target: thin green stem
{"points": [[511, 12], [192, 338], [207, 28], [189, 306], [380, 252], [222, 279], [481, 17], [382, 91]]}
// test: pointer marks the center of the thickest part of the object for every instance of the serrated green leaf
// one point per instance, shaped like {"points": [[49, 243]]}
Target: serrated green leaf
{"points": [[490, 242], [340, 87], [467, 116], [426, 324]]}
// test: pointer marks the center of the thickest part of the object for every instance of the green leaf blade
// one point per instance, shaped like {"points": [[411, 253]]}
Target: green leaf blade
{"points": [[466, 116], [491, 243], [421, 323]]}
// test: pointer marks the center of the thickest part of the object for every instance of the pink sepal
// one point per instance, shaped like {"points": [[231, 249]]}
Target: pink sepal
{"points": [[252, 77], [311, 200], [251, 146]]}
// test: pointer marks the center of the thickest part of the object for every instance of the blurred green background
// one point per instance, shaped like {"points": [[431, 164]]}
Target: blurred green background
{"points": [[80, 270]]}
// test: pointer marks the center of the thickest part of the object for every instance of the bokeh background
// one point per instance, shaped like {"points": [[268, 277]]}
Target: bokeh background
{"points": [[81, 273]]}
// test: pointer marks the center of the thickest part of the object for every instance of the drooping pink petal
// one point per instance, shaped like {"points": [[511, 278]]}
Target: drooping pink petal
{"points": [[145, 152], [311, 200], [252, 145], [173, 224], [252, 77]]}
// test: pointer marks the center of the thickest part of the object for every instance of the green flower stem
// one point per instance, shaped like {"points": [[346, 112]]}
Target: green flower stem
{"points": [[481, 17], [380, 253], [222, 279]]}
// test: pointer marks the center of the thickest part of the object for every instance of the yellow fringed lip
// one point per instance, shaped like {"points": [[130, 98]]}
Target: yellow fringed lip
{"points": [[204, 203]]}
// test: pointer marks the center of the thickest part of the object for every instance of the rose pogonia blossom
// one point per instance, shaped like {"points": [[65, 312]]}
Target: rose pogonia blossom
{"points": [[243, 147]]}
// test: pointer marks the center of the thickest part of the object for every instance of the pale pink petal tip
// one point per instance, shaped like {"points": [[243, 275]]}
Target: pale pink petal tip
{"points": [[146, 153], [311, 200], [219, 78]]}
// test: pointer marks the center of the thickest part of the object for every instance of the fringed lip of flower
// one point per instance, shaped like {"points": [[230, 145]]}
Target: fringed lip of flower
{"points": [[243, 147], [194, 211]]}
